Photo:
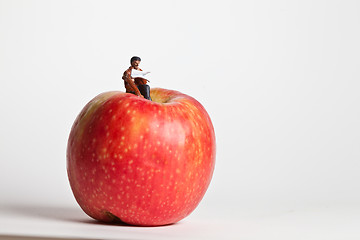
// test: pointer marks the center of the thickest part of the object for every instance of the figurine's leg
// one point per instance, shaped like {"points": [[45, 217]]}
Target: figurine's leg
{"points": [[147, 87], [145, 91]]}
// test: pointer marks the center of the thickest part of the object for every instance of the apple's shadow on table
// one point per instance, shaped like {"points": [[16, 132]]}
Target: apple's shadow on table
{"points": [[67, 214], [46, 212]]}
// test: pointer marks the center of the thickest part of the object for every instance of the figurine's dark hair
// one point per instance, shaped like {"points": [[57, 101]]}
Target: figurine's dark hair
{"points": [[135, 58]]}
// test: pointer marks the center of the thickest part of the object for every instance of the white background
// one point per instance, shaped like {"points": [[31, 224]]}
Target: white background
{"points": [[280, 80]]}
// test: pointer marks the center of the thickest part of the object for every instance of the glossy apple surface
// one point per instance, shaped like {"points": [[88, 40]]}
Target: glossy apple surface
{"points": [[141, 162]]}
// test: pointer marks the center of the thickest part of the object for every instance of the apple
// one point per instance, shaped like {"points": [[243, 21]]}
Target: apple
{"points": [[141, 162]]}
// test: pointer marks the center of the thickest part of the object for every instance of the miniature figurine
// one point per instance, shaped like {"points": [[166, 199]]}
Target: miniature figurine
{"points": [[135, 81]]}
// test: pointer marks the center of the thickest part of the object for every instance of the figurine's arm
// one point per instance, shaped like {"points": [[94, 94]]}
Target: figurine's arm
{"points": [[129, 80]]}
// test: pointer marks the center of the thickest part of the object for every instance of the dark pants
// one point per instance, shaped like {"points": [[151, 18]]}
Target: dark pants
{"points": [[145, 91]]}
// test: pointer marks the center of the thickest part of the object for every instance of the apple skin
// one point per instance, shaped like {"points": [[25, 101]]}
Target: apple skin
{"points": [[141, 162]]}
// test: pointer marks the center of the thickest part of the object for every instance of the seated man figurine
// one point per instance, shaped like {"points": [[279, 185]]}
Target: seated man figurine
{"points": [[136, 83]]}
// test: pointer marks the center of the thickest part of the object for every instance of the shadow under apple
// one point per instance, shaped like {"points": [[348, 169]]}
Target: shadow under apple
{"points": [[62, 213]]}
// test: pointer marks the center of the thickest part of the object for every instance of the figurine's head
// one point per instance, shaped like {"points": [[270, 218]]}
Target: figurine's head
{"points": [[135, 62]]}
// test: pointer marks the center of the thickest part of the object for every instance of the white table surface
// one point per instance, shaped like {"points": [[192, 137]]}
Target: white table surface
{"points": [[31, 221]]}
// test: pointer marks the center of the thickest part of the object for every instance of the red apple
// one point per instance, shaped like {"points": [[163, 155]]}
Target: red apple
{"points": [[141, 162]]}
